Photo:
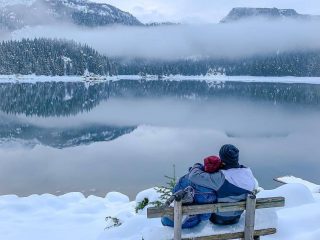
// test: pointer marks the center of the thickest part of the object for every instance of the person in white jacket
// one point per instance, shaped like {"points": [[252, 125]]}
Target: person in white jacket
{"points": [[232, 183]]}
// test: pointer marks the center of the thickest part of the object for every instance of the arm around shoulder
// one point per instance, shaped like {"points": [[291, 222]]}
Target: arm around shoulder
{"points": [[209, 180]]}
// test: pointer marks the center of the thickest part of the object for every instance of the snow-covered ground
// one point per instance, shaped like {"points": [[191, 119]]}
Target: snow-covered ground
{"points": [[209, 78], [72, 216]]}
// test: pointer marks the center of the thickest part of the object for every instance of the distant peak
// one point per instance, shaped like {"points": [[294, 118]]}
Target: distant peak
{"points": [[240, 13]]}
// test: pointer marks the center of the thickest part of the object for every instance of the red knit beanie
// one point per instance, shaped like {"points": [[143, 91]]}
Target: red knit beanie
{"points": [[212, 164]]}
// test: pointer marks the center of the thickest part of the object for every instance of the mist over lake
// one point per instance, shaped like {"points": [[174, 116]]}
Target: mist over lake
{"points": [[98, 138]]}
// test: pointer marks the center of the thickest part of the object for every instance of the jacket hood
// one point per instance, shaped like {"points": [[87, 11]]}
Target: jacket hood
{"points": [[240, 177]]}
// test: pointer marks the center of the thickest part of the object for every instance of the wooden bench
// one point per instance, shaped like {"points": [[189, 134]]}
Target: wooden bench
{"points": [[250, 205]]}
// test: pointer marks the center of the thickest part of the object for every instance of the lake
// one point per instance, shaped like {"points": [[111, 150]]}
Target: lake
{"points": [[58, 137]]}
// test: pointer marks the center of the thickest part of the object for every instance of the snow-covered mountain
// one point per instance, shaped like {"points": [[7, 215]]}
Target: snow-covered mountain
{"points": [[15, 14], [242, 13]]}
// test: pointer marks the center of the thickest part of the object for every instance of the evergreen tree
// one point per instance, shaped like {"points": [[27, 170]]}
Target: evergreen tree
{"points": [[51, 57]]}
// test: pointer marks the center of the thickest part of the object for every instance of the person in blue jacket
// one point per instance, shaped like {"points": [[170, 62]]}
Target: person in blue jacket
{"points": [[231, 184], [201, 195]]}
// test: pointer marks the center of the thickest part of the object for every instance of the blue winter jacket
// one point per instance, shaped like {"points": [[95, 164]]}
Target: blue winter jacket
{"points": [[232, 185], [202, 195]]}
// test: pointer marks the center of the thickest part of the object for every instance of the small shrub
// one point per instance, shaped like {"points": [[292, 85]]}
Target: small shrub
{"points": [[141, 205]]}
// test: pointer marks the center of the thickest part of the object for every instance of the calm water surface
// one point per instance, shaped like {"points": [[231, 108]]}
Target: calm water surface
{"points": [[126, 135]]}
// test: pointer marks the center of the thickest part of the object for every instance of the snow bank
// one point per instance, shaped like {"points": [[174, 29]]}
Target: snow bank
{"points": [[72, 216], [117, 197], [291, 179], [293, 194], [294, 223]]}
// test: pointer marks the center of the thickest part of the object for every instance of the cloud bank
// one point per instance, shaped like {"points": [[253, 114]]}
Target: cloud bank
{"points": [[190, 41]]}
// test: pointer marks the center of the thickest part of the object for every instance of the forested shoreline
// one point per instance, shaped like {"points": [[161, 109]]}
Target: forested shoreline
{"points": [[53, 57]]}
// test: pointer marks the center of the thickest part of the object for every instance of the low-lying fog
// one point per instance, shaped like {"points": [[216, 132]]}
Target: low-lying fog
{"points": [[273, 140], [241, 39]]}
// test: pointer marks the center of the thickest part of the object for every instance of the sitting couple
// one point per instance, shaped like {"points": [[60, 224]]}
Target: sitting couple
{"points": [[218, 180]]}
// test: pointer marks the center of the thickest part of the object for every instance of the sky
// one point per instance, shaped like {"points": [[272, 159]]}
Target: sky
{"points": [[202, 11]]}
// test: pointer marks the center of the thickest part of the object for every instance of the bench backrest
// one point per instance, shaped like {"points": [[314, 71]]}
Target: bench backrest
{"points": [[156, 212]]}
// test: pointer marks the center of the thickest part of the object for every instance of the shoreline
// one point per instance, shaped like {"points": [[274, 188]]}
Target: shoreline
{"points": [[208, 78]]}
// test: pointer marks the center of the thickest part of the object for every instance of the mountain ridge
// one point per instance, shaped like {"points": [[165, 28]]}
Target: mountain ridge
{"points": [[244, 13], [80, 12]]}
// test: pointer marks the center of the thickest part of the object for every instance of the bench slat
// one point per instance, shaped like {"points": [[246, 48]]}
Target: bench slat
{"points": [[155, 212], [236, 235]]}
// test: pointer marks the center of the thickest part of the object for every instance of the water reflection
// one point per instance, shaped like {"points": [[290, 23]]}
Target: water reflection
{"points": [[70, 98], [31, 135], [125, 135]]}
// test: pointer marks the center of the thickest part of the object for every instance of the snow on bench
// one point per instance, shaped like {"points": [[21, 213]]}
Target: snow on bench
{"points": [[251, 226]]}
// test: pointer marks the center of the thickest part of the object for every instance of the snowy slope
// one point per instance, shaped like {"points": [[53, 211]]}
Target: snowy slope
{"points": [[72, 216], [17, 14]]}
